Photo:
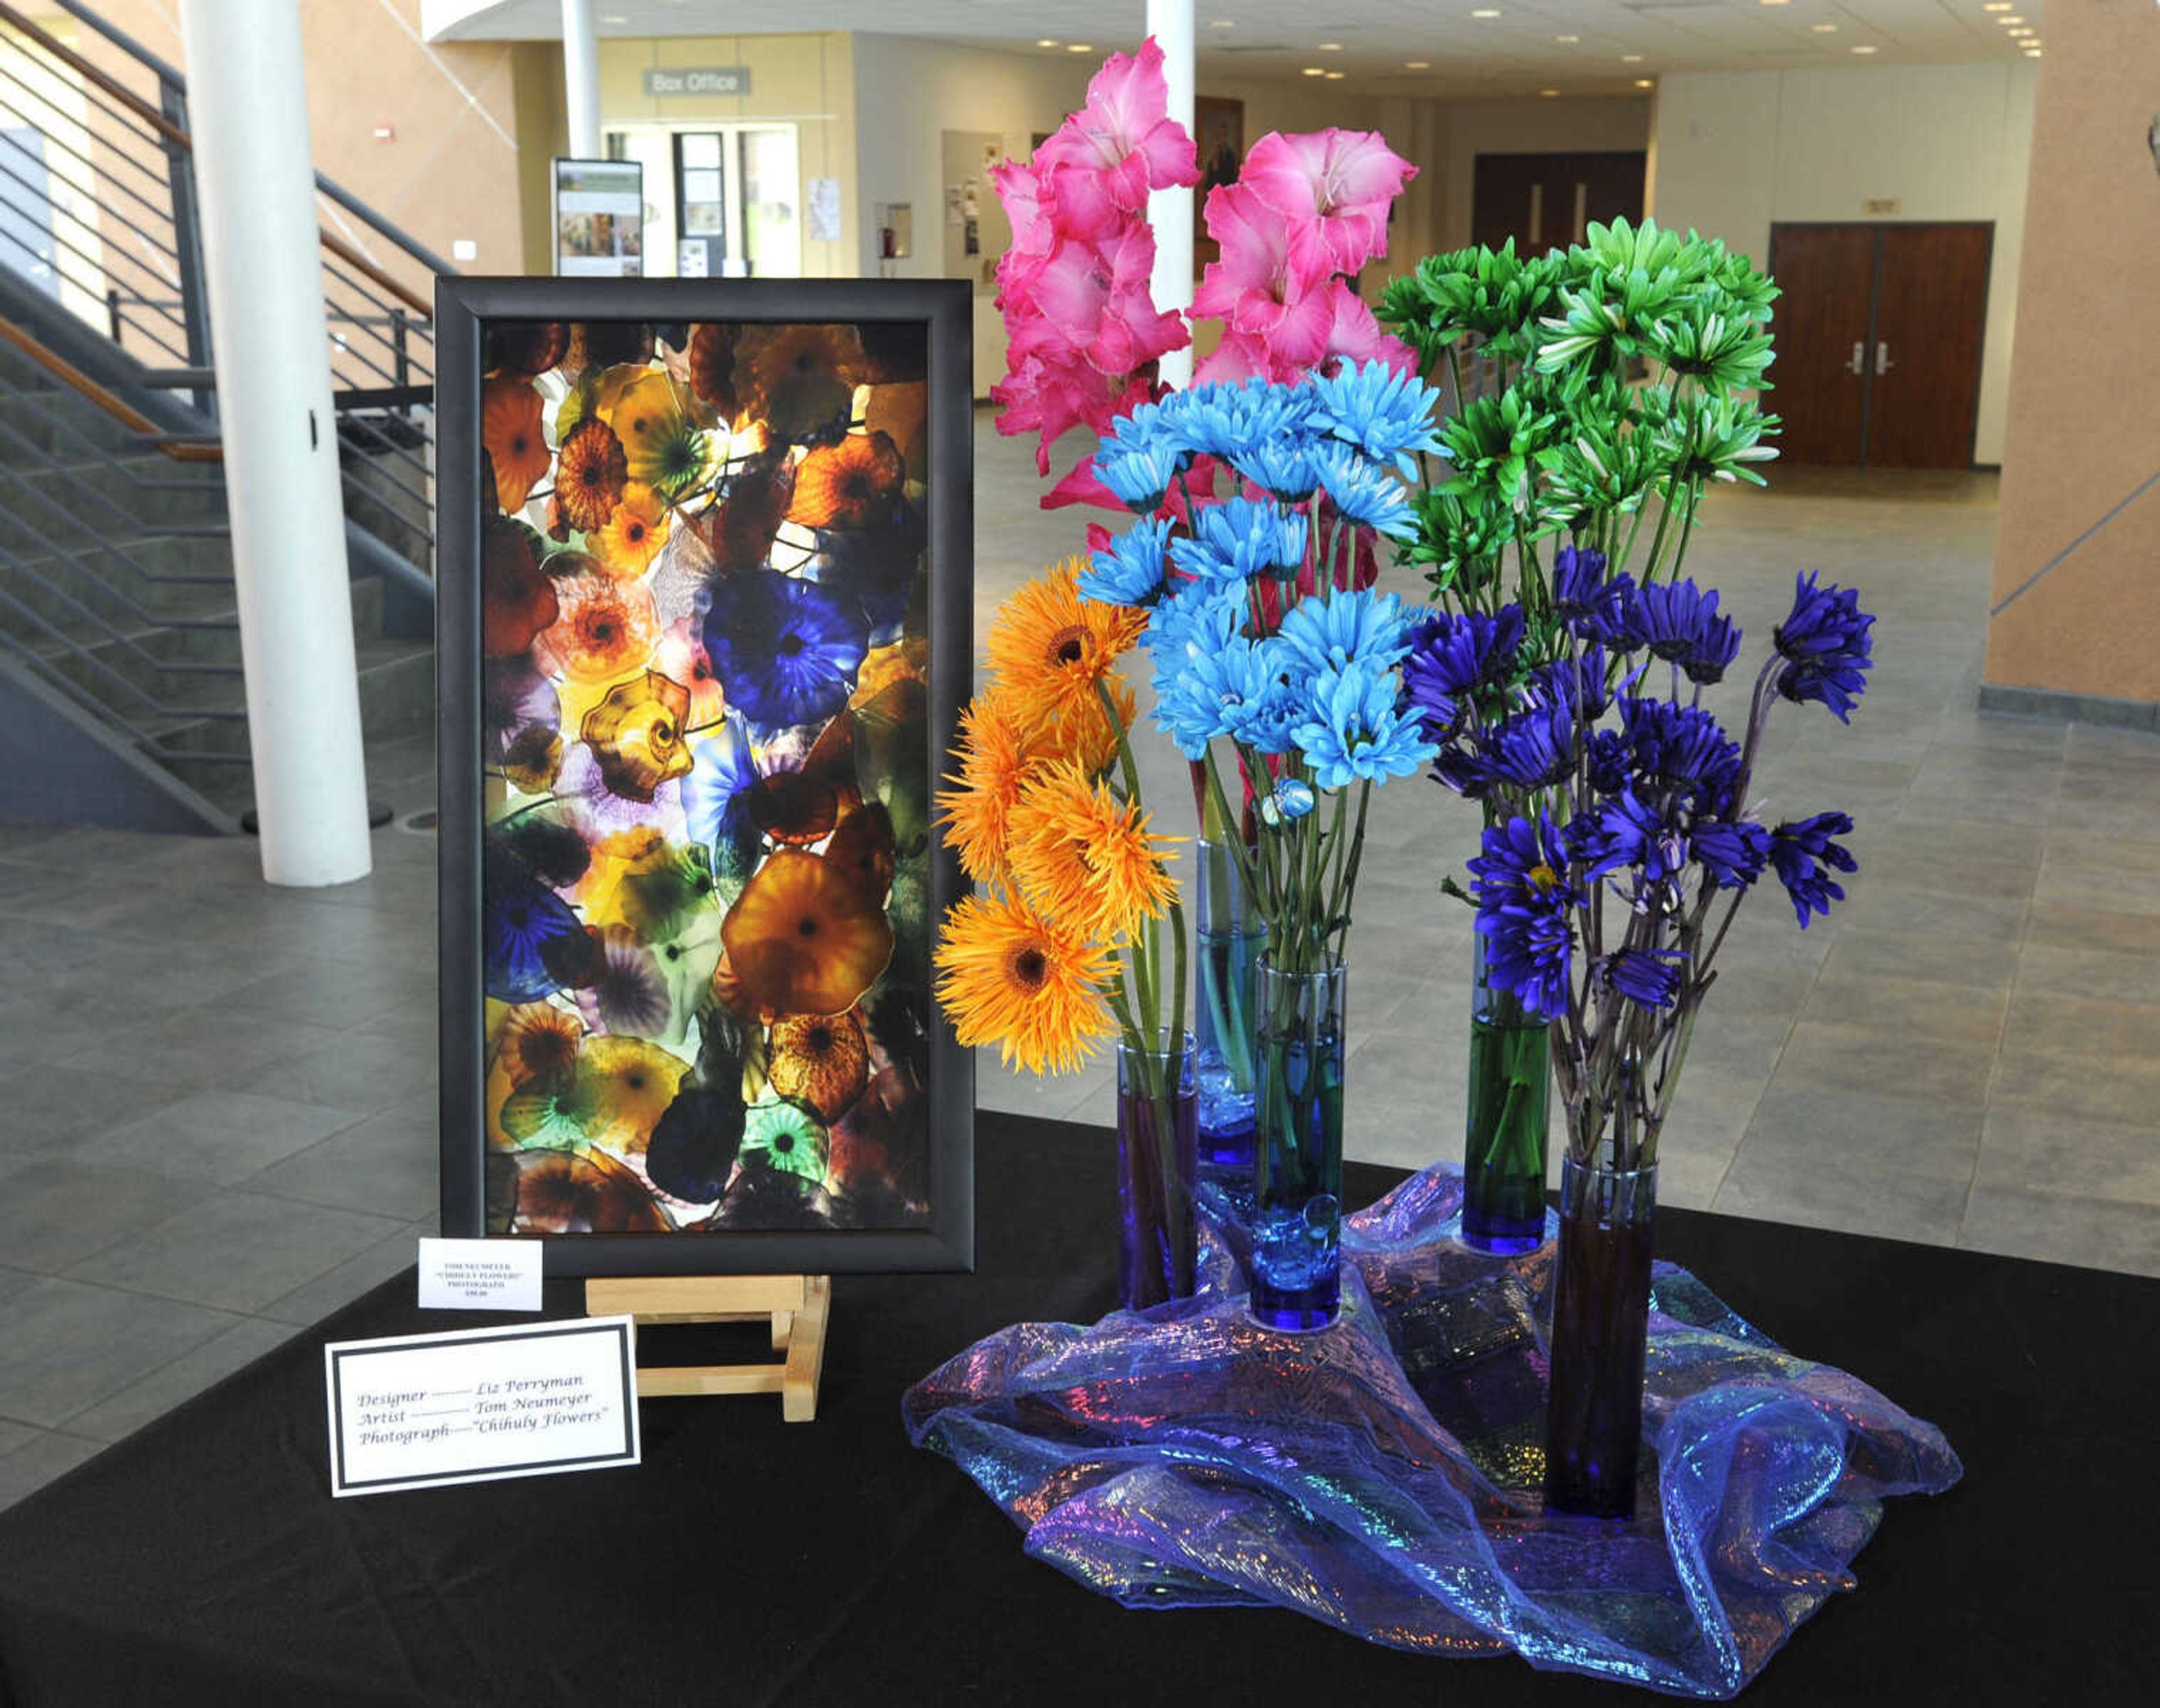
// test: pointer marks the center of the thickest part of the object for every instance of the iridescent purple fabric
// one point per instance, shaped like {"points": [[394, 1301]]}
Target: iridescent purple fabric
{"points": [[1383, 1476]]}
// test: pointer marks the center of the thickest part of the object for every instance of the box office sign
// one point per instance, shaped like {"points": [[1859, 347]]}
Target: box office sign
{"points": [[697, 79]]}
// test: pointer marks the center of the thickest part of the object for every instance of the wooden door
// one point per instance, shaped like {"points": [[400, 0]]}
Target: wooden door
{"points": [[1822, 322], [1931, 318], [1544, 201]]}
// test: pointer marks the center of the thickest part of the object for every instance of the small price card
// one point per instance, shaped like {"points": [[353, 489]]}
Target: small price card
{"points": [[480, 1275], [417, 1410]]}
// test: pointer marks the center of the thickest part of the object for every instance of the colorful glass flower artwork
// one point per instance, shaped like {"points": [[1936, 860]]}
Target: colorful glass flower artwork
{"points": [[637, 733], [847, 485], [590, 475], [818, 1060], [510, 431], [803, 939]]}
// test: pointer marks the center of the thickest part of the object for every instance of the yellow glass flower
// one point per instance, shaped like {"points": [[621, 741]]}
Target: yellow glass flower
{"points": [[635, 733], [636, 530], [1048, 652], [1080, 856], [1009, 976], [803, 938], [624, 1086], [662, 427]]}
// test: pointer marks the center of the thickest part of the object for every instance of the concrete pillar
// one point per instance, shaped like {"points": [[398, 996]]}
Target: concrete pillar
{"points": [[1170, 211], [261, 261], [581, 79]]}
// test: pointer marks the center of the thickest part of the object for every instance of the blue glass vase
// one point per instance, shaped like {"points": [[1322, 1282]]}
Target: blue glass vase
{"points": [[1297, 1173], [1228, 937], [1158, 1133], [1503, 1159], [1601, 1325]]}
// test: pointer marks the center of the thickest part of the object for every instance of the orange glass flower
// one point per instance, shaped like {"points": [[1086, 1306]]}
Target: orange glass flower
{"points": [[794, 808], [526, 348], [1048, 652], [625, 1085], [516, 596], [591, 473], [993, 761], [1009, 976], [801, 378], [606, 627], [540, 1044], [601, 343], [1083, 857], [636, 530], [803, 939], [863, 848], [636, 734], [820, 1061], [848, 484], [570, 1191], [510, 432], [681, 657], [712, 365]]}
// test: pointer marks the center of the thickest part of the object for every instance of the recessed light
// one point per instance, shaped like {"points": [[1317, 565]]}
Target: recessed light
{"points": [[2013, 17], [1335, 76], [1222, 24], [1417, 64], [1777, 3], [2021, 29], [1486, 12], [1998, 5], [1079, 47], [1863, 50], [1564, 39], [1631, 59], [1548, 93], [1824, 28], [1331, 47], [1044, 41], [2032, 53], [613, 17], [1316, 70], [1645, 83]]}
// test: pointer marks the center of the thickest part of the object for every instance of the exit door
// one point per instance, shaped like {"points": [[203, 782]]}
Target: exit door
{"points": [[1879, 330]]}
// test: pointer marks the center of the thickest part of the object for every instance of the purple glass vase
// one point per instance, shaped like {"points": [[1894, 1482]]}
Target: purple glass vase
{"points": [[1158, 1158], [1600, 1329]]}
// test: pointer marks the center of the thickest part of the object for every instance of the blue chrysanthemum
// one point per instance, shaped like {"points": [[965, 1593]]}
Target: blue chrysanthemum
{"points": [[1281, 467], [1669, 748], [785, 650], [1231, 418], [1130, 570], [1293, 798], [1458, 654], [1826, 645], [1531, 749], [1236, 688], [1732, 853], [1364, 490], [1805, 856], [1628, 832], [1650, 977], [1195, 616], [1387, 414], [1525, 912], [1240, 538], [1364, 626], [1577, 681], [1680, 623], [1353, 732]]}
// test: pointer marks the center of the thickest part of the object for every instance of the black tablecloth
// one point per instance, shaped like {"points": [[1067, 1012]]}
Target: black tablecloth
{"points": [[748, 1560]]}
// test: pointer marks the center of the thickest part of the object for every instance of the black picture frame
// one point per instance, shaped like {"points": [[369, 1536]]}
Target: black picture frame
{"points": [[465, 305]]}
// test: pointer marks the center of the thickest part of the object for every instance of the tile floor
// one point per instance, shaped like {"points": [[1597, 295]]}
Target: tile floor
{"points": [[217, 1105]]}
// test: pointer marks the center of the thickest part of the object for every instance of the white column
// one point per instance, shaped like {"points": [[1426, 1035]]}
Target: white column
{"points": [[248, 104], [1170, 211], [581, 79]]}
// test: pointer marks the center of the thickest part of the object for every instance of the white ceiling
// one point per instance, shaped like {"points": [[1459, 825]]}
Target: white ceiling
{"points": [[1521, 50]]}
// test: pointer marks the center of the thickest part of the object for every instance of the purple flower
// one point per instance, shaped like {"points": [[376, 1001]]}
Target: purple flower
{"points": [[1593, 607], [1680, 623], [1524, 903], [1648, 977], [1458, 655], [1732, 853], [1670, 748], [1572, 676], [1826, 645], [1534, 749], [1629, 831], [1803, 854]]}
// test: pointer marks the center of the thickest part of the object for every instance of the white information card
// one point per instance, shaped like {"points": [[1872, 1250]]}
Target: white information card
{"points": [[416, 1410], [480, 1275]]}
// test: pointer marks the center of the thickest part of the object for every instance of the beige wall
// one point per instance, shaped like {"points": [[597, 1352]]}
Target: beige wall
{"points": [[1738, 151], [2085, 430], [807, 80]]}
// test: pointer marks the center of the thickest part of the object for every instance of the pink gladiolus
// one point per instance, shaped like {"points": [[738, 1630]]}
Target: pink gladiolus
{"points": [[1354, 335], [1264, 283], [1340, 182], [1125, 133]]}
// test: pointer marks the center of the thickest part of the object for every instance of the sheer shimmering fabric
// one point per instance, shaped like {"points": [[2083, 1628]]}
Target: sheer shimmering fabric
{"points": [[1383, 1476]]}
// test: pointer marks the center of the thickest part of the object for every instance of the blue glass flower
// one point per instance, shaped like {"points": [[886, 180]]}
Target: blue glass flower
{"points": [[1805, 856], [1293, 798], [1363, 625], [1130, 571], [785, 650], [1525, 906], [1353, 732], [1240, 538], [521, 923], [716, 791], [1387, 414], [1826, 645], [1679, 622], [1732, 852], [1364, 490], [1650, 977]]}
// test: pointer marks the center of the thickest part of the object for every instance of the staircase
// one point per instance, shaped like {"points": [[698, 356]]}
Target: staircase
{"points": [[123, 690]]}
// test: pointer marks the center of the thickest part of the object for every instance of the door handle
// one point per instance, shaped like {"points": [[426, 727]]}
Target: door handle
{"points": [[1882, 363], [1858, 365]]}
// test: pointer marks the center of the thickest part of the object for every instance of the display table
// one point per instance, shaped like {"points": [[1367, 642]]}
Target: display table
{"points": [[749, 1560]]}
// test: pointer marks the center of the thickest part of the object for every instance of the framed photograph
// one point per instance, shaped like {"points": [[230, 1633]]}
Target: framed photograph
{"points": [[705, 593], [1218, 130]]}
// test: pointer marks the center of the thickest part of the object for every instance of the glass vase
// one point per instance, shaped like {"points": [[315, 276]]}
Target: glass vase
{"points": [[1600, 1331], [1503, 1159], [1229, 935], [1297, 1175], [1158, 1143]]}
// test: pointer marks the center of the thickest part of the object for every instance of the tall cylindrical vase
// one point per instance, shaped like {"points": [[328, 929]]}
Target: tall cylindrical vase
{"points": [[1600, 1333], [1228, 937], [1297, 1175], [1158, 1143], [1503, 1161]]}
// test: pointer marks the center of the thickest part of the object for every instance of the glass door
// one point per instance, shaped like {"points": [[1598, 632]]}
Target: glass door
{"points": [[724, 198]]}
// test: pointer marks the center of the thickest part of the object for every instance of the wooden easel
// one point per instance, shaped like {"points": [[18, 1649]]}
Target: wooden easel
{"points": [[797, 1306]]}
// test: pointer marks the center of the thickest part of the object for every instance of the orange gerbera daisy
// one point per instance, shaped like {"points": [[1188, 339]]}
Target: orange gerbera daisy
{"points": [[803, 938], [847, 485], [591, 473], [1048, 650], [606, 627], [636, 530], [510, 430], [1083, 858], [1008, 976], [993, 761]]}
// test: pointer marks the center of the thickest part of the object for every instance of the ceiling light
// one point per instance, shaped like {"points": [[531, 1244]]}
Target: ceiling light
{"points": [[1998, 5], [1335, 76], [1777, 3], [1824, 28], [1645, 83], [2013, 17], [1222, 24], [2032, 53], [1316, 70], [1564, 39], [1548, 93], [613, 17], [1863, 50], [2021, 29], [1631, 59], [1417, 64], [1486, 12], [1079, 47], [1045, 42], [1331, 47]]}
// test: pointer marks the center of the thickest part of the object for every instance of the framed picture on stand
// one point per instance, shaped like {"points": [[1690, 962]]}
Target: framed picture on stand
{"points": [[704, 582]]}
